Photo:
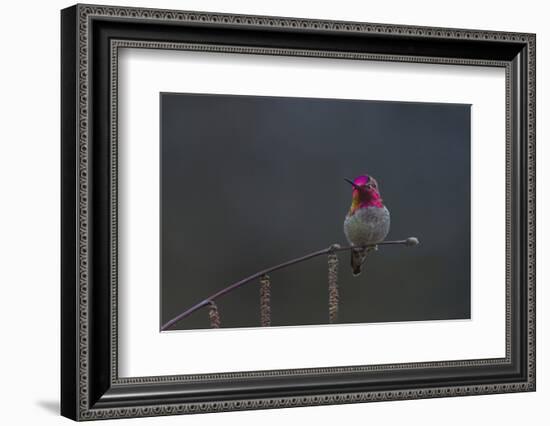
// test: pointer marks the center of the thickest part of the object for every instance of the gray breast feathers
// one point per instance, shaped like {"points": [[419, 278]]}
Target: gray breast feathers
{"points": [[367, 225]]}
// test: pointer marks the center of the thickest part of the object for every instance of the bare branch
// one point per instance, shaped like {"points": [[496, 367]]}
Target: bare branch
{"points": [[411, 241]]}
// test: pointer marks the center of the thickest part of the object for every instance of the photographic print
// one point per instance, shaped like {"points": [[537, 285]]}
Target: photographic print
{"points": [[264, 212], [359, 210]]}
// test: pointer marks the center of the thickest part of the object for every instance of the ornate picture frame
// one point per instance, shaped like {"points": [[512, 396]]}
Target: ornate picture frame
{"points": [[91, 37]]}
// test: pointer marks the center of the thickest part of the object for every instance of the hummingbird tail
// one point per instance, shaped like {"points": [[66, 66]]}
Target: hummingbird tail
{"points": [[358, 257]]}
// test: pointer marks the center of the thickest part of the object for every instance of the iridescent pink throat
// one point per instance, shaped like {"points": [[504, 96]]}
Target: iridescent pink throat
{"points": [[361, 199]]}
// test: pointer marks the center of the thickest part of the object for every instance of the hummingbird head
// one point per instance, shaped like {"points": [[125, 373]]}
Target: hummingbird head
{"points": [[365, 193]]}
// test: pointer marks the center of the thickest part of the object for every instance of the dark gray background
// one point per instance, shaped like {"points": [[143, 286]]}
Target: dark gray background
{"points": [[248, 182]]}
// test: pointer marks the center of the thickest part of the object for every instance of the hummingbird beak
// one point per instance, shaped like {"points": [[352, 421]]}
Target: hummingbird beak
{"points": [[352, 183]]}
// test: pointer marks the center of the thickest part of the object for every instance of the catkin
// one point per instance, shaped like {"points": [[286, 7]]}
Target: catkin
{"points": [[333, 294], [265, 301], [214, 314]]}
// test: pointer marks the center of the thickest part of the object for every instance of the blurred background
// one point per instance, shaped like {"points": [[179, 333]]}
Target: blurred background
{"points": [[249, 182]]}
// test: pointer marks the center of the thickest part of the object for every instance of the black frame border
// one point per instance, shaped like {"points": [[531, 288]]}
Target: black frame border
{"points": [[90, 387]]}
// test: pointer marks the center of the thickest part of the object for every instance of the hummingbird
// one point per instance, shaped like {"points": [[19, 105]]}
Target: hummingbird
{"points": [[368, 220]]}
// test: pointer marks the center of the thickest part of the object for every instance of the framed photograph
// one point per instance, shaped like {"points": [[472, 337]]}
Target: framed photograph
{"points": [[263, 212]]}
